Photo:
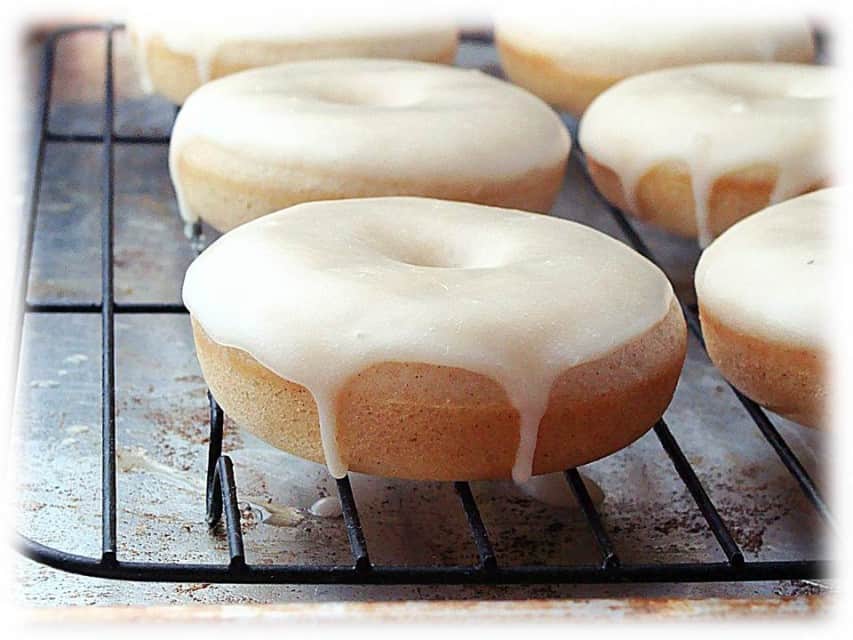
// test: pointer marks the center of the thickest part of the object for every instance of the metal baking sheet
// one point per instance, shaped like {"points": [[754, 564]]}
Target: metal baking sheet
{"points": [[162, 420]]}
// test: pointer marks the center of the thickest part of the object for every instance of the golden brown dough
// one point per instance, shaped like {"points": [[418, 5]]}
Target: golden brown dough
{"points": [[785, 378], [175, 74], [420, 421], [230, 192], [566, 89], [664, 195]]}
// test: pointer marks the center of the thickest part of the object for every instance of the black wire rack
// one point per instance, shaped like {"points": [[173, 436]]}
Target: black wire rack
{"points": [[221, 487]]}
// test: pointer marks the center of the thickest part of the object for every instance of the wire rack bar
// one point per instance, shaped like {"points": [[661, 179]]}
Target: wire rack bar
{"points": [[788, 458], [609, 559], [64, 307], [352, 522], [228, 498], [214, 452], [27, 240], [94, 138], [485, 552], [334, 574], [108, 486], [758, 415], [221, 485], [149, 307], [700, 496], [97, 307]]}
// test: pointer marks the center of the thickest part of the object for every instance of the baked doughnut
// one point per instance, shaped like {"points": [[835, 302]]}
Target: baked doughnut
{"points": [[428, 339], [176, 55], [763, 288], [568, 64], [695, 149], [265, 139]]}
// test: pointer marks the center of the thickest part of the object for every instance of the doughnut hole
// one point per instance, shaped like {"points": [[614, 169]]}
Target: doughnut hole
{"points": [[435, 248], [664, 195], [367, 95]]}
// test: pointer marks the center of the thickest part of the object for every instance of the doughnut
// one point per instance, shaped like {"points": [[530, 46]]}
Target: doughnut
{"points": [[175, 56], [695, 149], [265, 139], [763, 292], [428, 339], [568, 64]]}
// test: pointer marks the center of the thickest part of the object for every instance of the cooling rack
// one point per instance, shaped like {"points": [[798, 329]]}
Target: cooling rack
{"points": [[221, 488]]}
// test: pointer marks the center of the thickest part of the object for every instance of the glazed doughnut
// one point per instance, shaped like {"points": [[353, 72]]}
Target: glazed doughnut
{"points": [[175, 56], [763, 291], [568, 64], [698, 148], [428, 339], [265, 139]]}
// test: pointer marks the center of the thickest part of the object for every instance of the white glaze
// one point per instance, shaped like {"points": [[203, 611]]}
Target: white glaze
{"points": [[275, 515], [137, 459], [617, 43], [553, 490], [308, 35], [327, 507], [716, 119], [769, 274], [384, 118], [324, 290]]}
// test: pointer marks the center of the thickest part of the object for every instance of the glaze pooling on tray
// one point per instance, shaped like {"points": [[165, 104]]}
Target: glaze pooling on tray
{"points": [[322, 291], [715, 119], [307, 34], [388, 118], [769, 275], [553, 490], [327, 507]]}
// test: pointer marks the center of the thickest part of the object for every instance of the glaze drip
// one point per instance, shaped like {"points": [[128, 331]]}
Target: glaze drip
{"points": [[701, 117], [553, 490], [321, 291]]}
